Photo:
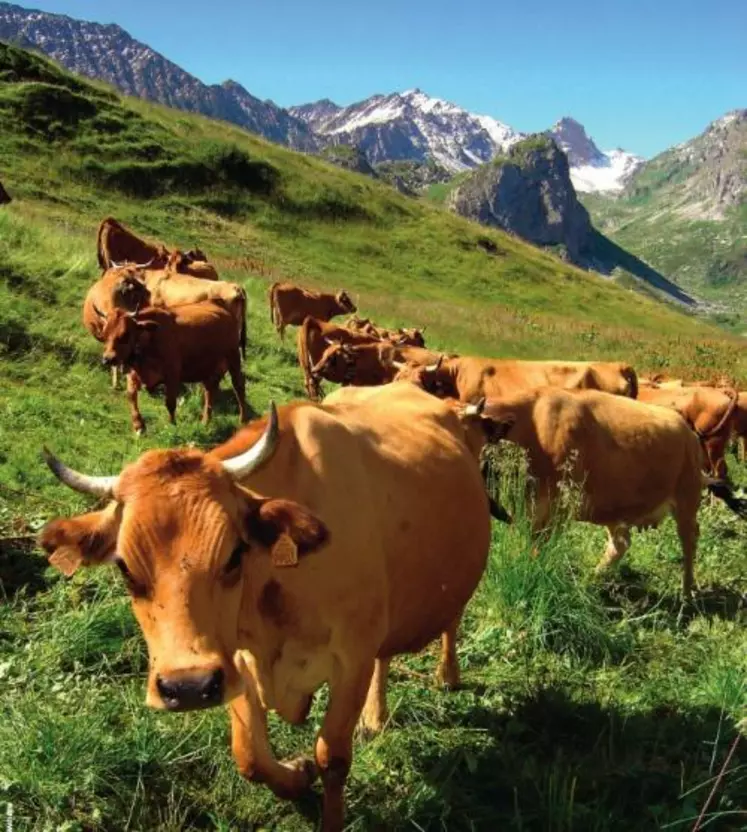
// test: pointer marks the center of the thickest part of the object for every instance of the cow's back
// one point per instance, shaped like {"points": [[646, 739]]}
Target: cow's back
{"points": [[203, 334], [626, 455]]}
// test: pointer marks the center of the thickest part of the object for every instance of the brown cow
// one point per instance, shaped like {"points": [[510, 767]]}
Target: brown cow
{"points": [[287, 559], [471, 379], [290, 305], [399, 337], [708, 411], [368, 364], [193, 343], [740, 425], [117, 288], [117, 245], [314, 337], [633, 462], [166, 288]]}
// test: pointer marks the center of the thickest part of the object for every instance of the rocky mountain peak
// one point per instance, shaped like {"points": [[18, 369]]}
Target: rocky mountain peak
{"points": [[574, 140]]}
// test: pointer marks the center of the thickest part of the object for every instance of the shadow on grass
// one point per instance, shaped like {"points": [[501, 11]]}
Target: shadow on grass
{"points": [[628, 593], [552, 763], [21, 567]]}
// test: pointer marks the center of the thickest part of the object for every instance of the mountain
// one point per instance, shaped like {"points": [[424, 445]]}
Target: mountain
{"points": [[685, 212], [410, 126], [528, 193], [110, 54], [591, 168]]}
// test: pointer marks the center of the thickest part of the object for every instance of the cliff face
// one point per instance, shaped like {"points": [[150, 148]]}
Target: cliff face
{"points": [[529, 193]]}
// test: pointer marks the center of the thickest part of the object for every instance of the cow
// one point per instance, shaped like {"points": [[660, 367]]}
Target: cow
{"points": [[308, 549], [470, 379], [367, 364], [401, 337], [314, 337], [117, 287], [290, 305], [195, 342], [634, 463], [117, 245], [169, 289], [709, 412], [740, 425]]}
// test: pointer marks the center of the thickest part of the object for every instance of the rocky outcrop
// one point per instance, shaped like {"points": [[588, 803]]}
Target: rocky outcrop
{"points": [[350, 158], [529, 193]]}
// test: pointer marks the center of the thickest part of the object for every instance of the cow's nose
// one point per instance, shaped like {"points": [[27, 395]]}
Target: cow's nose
{"points": [[189, 693]]}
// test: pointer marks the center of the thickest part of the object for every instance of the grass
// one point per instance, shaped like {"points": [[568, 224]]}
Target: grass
{"points": [[589, 704]]}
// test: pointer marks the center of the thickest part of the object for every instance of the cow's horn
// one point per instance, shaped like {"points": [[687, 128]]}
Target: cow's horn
{"points": [[475, 409], [98, 486], [399, 365], [243, 465], [117, 265], [432, 368], [144, 265]]}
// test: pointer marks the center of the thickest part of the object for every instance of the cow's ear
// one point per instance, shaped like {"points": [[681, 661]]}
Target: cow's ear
{"points": [[87, 540], [495, 429], [287, 529]]}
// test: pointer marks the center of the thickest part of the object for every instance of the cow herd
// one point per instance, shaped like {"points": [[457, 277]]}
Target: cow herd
{"points": [[329, 536]]}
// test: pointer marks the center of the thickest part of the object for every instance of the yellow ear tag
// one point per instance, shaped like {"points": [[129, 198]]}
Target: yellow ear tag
{"points": [[284, 552], [67, 559]]}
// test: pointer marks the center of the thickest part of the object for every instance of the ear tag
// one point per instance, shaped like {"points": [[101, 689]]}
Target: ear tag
{"points": [[67, 559], [284, 552]]}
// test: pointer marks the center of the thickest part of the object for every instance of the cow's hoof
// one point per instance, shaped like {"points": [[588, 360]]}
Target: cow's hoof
{"points": [[139, 432]]}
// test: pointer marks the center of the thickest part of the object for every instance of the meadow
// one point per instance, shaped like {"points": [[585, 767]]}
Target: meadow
{"points": [[588, 703]]}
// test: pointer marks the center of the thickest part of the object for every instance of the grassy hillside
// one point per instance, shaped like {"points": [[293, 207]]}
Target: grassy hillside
{"points": [[588, 704]]}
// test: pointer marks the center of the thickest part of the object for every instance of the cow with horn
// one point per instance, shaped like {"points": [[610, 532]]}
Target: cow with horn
{"points": [[254, 586]]}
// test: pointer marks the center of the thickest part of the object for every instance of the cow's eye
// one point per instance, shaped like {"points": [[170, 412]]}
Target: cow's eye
{"points": [[234, 562], [136, 589]]}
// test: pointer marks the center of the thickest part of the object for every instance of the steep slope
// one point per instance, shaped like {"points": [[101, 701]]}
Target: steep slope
{"points": [[108, 53], [685, 212]]}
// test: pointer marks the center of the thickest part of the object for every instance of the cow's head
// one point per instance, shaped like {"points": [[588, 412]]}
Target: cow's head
{"points": [[409, 338], [196, 254], [125, 337], [130, 291], [436, 379], [336, 363], [345, 303], [187, 537]]}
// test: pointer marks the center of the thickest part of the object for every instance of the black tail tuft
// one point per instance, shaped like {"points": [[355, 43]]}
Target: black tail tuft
{"points": [[498, 512], [723, 491]]}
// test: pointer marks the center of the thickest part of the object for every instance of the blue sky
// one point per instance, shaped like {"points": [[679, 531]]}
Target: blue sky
{"points": [[640, 74]]}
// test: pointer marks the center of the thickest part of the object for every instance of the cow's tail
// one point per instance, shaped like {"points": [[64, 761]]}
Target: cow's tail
{"points": [[630, 375], [242, 333], [722, 490], [304, 355], [733, 397], [100, 243]]}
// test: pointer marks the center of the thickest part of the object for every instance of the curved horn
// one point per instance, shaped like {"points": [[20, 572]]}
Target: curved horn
{"points": [[398, 365], [144, 265], [243, 465], [118, 265], [98, 486], [98, 312]]}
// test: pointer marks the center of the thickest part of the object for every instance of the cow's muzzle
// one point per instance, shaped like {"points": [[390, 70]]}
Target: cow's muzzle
{"points": [[190, 692]]}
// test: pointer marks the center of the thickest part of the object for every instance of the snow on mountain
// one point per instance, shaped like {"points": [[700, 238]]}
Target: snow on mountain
{"points": [[593, 170], [411, 126]]}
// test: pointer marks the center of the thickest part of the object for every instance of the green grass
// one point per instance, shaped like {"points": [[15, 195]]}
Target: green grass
{"points": [[589, 704]]}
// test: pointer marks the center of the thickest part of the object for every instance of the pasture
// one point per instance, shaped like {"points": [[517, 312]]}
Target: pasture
{"points": [[588, 703]]}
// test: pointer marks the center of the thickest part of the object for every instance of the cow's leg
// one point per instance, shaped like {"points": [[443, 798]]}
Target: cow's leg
{"points": [[375, 712], [133, 387], [238, 382], [252, 753], [115, 377], [334, 745], [448, 667], [172, 393], [741, 447], [688, 531], [210, 387], [617, 545]]}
